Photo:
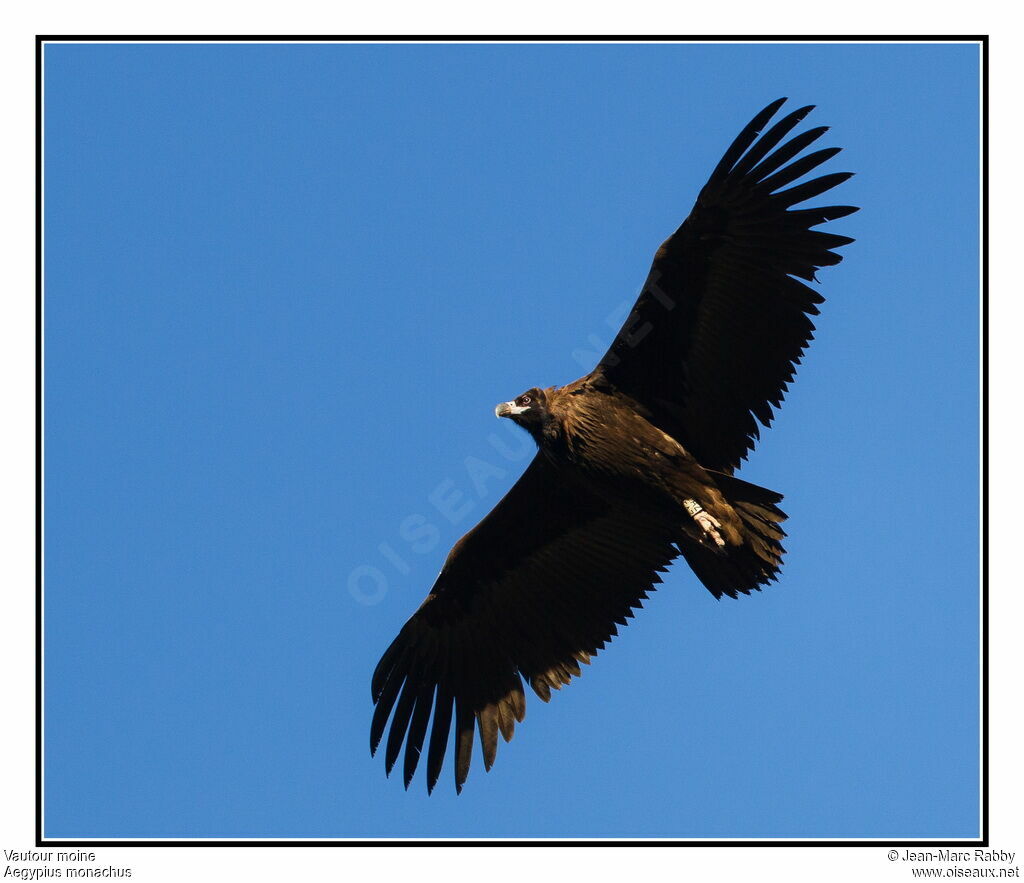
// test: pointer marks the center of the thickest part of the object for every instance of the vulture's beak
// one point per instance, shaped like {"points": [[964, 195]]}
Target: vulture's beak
{"points": [[504, 409]]}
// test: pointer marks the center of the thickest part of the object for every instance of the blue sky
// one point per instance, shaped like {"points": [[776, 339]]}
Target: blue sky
{"points": [[285, 287]]}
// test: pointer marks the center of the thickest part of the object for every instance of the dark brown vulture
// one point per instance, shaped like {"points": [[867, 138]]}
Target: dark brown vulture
{"points": [[634, 466]]}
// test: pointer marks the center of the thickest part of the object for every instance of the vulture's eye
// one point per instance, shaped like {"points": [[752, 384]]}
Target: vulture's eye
{"points": [[524, 400]]}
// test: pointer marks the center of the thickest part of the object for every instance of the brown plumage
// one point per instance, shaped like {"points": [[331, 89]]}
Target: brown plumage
{"points": [[634, 466]]}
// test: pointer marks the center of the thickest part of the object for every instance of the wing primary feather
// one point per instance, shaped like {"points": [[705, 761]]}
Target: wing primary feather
{"points": [[812, 217], [386, 665], [400, 723], [785, 153], [828, 240], [464, 720], [417, 731], [796, 169], [385, 702], [742, 142], [439, 736], [810, 189], [766, 142]]}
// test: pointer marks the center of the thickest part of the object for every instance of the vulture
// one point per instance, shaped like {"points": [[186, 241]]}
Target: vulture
{"points": [[635, 464]]}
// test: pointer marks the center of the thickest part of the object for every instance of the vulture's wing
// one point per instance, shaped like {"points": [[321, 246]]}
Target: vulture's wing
{"points": [[722, 320], [534, 589]]}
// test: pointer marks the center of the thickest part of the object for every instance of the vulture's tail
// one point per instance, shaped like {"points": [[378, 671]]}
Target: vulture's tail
{"points": [[757, 561]]}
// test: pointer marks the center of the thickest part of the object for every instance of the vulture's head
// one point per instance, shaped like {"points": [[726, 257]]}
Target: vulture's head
{"points": [[529, 410]]}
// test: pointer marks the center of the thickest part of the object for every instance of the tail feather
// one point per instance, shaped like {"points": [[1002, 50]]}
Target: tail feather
{"points": [[757, 562]]}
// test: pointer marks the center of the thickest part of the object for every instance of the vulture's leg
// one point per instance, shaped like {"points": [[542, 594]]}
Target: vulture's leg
{"points": [[708, 523]]}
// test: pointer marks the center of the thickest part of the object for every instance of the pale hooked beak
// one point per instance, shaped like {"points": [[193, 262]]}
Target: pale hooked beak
{"points": [[509, 409]]}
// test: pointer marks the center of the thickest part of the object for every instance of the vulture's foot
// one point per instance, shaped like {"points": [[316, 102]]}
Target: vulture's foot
{"points": [[708, 523]]}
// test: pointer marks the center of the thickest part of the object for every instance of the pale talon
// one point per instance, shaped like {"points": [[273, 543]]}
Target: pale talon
{"points": [[708, 523]]}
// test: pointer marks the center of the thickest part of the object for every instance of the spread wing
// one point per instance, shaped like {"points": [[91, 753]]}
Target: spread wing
{"points": [[723, 318], [534, 589]]}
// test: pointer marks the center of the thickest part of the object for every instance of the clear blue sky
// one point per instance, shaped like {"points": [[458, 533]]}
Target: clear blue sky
{"points": [[285, 287]]}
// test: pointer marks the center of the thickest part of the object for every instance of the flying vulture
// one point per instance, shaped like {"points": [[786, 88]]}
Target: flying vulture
{"points": [[634, 466]]}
